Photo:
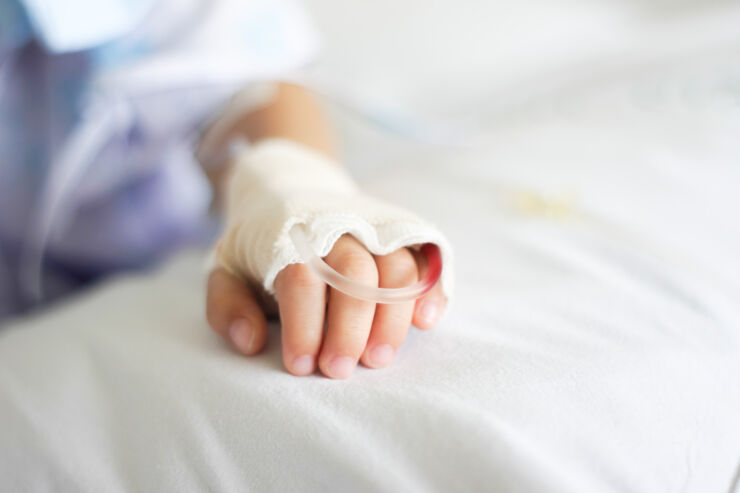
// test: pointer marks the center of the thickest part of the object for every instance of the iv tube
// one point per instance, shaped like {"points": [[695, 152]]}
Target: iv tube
{"points": [[362, 291]]}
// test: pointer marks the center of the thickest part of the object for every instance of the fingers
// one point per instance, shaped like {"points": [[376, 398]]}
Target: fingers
{"points": [[355, 329], [348, 319], [392, 321], [430, 307], [301, 297], [233, 313]]}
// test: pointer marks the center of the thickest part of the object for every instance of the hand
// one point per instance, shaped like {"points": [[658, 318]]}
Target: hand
{"points": [[355, 329]]}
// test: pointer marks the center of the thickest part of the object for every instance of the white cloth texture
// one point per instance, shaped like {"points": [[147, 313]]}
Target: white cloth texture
{"points": [[575, 359], [596, 351], [278, 183]]}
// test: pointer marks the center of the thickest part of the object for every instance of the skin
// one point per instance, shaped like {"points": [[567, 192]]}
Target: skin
{"points": [[356, 330]]}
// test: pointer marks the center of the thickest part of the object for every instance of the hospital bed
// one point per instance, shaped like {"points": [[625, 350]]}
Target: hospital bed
{"points": [[593, 343]]}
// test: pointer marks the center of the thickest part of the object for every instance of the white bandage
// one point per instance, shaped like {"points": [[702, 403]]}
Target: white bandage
{"points": [[279, 183]]}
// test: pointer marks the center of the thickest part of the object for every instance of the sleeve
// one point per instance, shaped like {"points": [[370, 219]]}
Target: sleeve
{"points": [[222, 42], [71, 25], [15, 28], [263, 32]]}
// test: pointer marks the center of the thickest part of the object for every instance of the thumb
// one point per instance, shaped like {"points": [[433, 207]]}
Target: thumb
{"points": [[233, 312]]}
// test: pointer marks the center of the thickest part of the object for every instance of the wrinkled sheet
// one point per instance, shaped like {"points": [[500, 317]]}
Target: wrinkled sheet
{"points": [[593, 343]]}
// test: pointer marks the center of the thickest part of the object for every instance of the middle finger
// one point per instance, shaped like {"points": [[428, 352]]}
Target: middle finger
{"points": [[348, 319]]}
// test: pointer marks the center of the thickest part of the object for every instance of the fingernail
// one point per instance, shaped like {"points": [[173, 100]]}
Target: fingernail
{"points": [[381, 355], [341, 367], [303, 365], [242, 335], [429, 311]]}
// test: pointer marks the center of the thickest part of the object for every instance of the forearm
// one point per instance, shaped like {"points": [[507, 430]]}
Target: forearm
{"points": [[292, 114]]}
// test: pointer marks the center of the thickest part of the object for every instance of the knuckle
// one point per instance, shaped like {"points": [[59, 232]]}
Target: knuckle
{"points": [[355, 263], [354, 331], [397, 269], [350, 327], [297, 275], [396, 321]]}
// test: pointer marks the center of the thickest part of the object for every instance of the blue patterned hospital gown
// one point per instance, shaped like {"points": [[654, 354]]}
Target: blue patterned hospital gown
{"points": [[101, 102]]}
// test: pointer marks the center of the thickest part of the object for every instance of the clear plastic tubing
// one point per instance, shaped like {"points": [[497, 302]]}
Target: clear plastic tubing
{"points": [[363, 291]]}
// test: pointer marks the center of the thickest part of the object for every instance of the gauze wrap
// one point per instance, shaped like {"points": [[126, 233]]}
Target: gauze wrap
{"points": [[278, 183]]}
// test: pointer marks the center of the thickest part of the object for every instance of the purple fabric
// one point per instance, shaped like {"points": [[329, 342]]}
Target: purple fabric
{"points": [[96, 146]]}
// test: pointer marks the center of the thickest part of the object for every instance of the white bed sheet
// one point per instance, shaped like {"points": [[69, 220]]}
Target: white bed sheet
{"points": [[574, 358], [600, 352]]}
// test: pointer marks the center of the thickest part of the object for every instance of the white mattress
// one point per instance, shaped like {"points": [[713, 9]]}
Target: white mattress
{"points": [[599, 351]]}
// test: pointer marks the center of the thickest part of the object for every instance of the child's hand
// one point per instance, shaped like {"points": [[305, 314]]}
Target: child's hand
{"points": [[356, 329]]}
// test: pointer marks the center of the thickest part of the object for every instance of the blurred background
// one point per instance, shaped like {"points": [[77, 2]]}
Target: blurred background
{"points": [[582, 157], [546, 99]]}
